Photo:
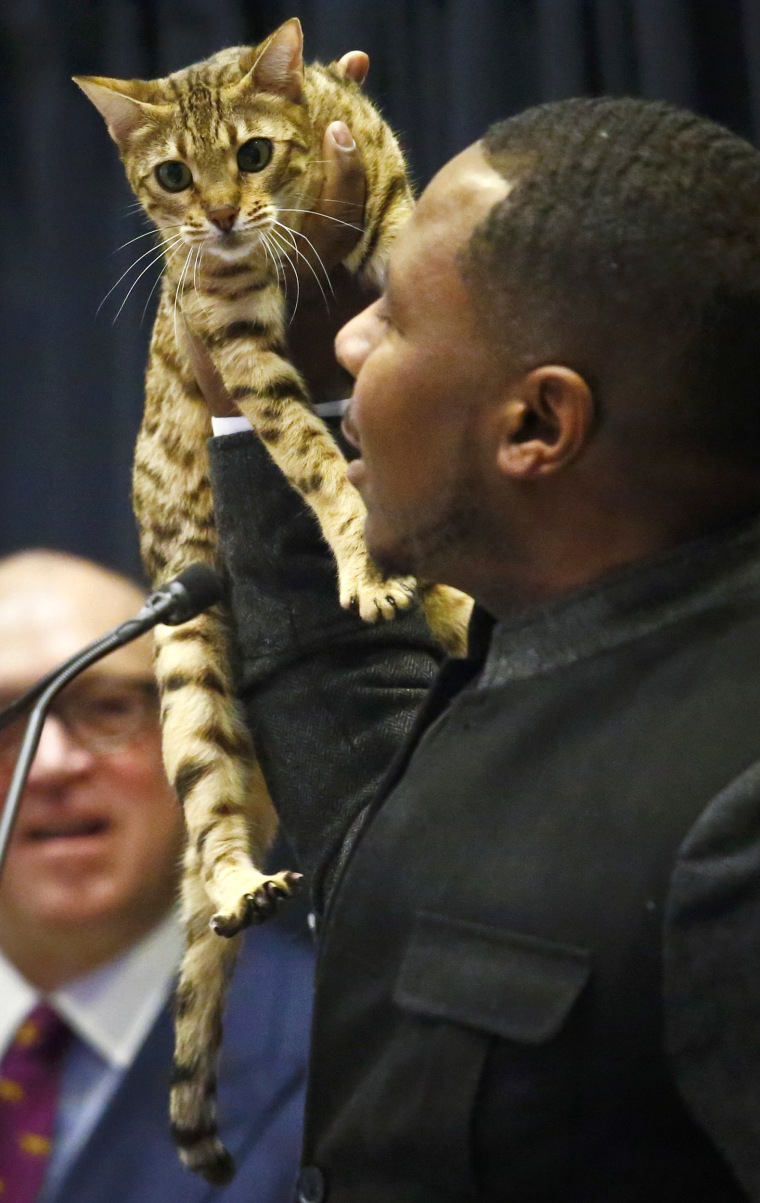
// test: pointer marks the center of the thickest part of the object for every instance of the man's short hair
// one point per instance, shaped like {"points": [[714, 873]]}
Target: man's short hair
{"points": [[629, 248]]}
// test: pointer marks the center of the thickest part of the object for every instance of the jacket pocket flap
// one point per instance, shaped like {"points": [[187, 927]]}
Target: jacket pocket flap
{"points": [[503, 982]]}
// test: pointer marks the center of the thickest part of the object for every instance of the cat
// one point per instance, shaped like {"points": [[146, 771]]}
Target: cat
{"points": [[225, 158]]}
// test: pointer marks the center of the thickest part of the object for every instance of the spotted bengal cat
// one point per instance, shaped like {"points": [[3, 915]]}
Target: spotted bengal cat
{"points": [[225, 158]]}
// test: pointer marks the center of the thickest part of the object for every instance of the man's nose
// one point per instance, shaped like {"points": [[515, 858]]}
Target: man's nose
{"points": [[59, 754], [355, 340]]}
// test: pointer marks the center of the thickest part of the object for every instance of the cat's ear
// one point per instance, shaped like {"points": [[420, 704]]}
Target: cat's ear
{"points": [[123, 113], [279, 66]]}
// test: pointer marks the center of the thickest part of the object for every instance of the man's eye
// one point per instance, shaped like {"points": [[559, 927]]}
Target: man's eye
{"points": [[105, 709], [174, 176], [114, 705]]}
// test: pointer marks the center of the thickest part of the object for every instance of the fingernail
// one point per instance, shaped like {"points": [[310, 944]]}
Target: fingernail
{"points": [[341, 135]]}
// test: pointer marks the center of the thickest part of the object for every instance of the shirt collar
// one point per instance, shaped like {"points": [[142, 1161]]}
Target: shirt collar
{"points": [[627, 604], [111, 1009]]}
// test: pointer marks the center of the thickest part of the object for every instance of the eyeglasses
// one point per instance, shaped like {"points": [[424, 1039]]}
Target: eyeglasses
{"points": [[102, 714]]}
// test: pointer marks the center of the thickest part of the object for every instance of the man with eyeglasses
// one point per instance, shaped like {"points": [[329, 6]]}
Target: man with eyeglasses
{"points": [[89, 934]]}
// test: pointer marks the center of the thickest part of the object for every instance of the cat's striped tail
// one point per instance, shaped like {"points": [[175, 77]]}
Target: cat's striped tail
{"points": [[198, 1007]]}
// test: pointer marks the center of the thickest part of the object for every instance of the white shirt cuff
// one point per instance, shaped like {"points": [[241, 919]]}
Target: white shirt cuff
{"points": [[331, 409], [236, 423], [232, 425]]}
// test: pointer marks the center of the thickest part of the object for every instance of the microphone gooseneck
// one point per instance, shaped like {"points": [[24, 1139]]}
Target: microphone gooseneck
{"points": [[195, 589]]}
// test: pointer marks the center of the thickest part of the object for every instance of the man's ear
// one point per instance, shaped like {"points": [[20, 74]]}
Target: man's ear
{"points": [[545, 422]]}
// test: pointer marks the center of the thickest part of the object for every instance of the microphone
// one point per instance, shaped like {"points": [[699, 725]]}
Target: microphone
{"points": [[195, 589]]}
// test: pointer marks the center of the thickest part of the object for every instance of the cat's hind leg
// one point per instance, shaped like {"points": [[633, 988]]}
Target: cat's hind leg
{"points": [[210, 760]]}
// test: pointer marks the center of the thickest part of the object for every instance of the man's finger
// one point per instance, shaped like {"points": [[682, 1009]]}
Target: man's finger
{"points": [[354, 65], [336, 225]]}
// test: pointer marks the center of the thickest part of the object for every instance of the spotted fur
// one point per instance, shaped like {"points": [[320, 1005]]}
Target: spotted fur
{"points": [[227, 286]]}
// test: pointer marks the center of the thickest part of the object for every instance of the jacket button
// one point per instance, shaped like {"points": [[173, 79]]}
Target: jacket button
{"points": [[310, 1187]]}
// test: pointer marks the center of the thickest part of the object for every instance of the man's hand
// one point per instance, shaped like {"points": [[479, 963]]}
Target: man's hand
{"points": [[329, 231], [329, 295], [335, 224]]}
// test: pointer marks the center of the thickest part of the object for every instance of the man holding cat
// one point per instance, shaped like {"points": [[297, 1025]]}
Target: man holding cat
{"points": [[539, 974], [89, 939]]}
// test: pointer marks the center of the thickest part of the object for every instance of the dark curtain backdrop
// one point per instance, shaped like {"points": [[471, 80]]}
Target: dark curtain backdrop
{"points": [[442, 70]]}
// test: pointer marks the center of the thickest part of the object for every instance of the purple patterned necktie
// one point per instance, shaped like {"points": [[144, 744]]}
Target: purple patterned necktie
{"points": [[29, 1081]]}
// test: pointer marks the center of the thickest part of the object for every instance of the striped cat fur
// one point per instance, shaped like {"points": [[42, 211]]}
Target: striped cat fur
{"points": [[224, 157]]}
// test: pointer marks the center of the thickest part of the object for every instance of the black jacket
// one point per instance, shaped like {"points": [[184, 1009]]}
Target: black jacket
{"points": [[539, 974]]}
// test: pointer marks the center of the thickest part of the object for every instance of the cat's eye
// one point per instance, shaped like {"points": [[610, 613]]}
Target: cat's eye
{"points": [[254, 154], [174, 176]]}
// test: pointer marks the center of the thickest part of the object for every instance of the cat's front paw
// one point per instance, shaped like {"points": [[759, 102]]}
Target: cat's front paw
{"points": [[256, 905], [375, 599]]}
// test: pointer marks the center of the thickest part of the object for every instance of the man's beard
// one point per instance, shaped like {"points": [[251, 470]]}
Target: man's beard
{"points": [[435, 540]]}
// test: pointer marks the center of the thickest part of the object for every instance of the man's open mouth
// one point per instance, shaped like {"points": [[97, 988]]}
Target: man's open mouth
{"points": [[69, 830]]}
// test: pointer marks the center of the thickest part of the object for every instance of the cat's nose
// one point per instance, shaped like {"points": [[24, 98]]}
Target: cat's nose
{"points": [[223, 218]]}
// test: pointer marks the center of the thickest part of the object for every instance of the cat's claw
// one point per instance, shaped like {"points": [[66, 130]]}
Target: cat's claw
{"points": [[257, 906], [378, 600]]}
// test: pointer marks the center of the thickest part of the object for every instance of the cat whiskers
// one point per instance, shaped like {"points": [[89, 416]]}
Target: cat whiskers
{"points": [[328, 200], [198, 254], [327, 217], [198, 257], [293, 234], [157, 254], [280, 233], [177, 290], [275, 260], [277, 239], [134, 207], [158, 280], [299, 233], [146, 234], [139, 278], [274, 253]]}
